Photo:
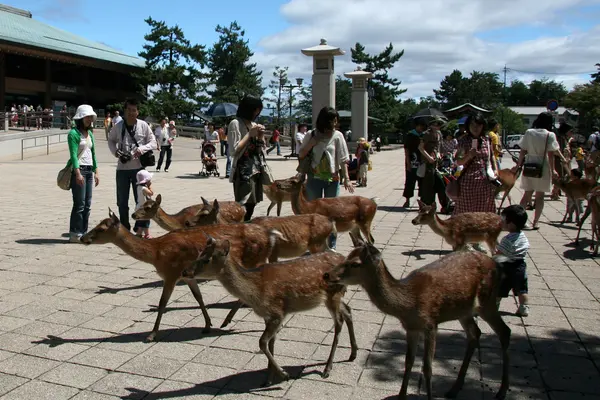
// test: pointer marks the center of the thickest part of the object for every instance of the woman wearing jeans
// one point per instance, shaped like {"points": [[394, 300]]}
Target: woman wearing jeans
{"points": [[329, 153], [82, 152]]}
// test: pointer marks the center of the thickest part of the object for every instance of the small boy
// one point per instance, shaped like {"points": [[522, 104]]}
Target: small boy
{"points": [[144, 193], [576, 173], [209, 157], [363, 162], [579, 156], [514, 246]]}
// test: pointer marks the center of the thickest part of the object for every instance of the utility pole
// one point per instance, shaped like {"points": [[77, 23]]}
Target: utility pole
{"points": [[502, 132]]}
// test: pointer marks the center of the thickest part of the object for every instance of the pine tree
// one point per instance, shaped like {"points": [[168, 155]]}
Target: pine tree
{"points": [[232, 74]]}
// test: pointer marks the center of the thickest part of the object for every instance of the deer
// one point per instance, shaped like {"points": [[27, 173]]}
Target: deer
{"points": [[169, 222], [454, 287], [462, 229], [508, 177], [575, 189], [354, 213], [301, 233], [277, 289], [170, 254], [276, 196], [593, 208]]}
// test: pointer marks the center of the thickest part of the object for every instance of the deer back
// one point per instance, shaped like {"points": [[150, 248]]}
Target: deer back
{"points": [[300, 230], [474, 224]]}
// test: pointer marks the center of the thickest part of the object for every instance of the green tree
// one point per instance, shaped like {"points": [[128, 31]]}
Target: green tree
{"points": [[543, 90], [277, 93], [173, 70], [511, 122], [482, 89], [585, 99], [452, 90], [343, 94], [596, 76], [232, 74], [517, 94], [386, 90]]}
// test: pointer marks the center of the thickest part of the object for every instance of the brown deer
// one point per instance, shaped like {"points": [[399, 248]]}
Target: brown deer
{"points": [[151, 210], [454, 287], [591, 163], [462, 229], [172, 253], [276, 290], [276, 196], [354, 213], [508, 177], [593, 208], [574, 189], [301, 233]]}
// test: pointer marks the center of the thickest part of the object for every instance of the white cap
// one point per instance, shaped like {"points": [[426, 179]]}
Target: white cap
{"points": [[83, 111], [143, 177]]}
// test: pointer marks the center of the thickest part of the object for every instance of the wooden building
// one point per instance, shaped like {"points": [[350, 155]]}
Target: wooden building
{"points": [[40, 65]]}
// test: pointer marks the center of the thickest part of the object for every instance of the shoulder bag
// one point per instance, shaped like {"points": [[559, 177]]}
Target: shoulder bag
{"points": [[147, 159], [305, 165], [534, 169], [63, 179]]}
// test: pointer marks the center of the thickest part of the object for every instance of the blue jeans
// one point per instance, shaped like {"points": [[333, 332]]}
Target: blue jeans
{"points": [[273, 146], [318, 188], [82, 201], [125, 180]]}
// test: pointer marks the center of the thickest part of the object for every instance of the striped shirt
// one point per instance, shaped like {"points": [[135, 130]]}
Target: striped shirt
{"points": [[514, 246]]}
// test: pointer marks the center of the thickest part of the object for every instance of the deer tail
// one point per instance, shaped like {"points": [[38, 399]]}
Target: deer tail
{"points": [[375, 199], [274, 236]]}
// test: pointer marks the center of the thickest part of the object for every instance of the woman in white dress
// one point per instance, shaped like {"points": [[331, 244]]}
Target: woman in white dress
{"points": [[539, 145]]}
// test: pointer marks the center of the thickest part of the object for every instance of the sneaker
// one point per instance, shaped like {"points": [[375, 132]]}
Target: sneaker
{"points": [[166, 170], [75, 238], [523, 310], [157, 170]]}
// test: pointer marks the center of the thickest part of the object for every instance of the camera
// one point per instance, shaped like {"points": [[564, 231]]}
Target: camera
{"points": [[123, 157]]}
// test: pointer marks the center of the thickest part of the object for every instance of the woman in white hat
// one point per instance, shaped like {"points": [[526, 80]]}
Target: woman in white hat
{"points": [[82, 157]]}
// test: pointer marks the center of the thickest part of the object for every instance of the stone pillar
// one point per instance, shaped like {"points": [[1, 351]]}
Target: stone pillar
{"points": [[323, 78], [360, 105], [2, 82], [48, 94]]}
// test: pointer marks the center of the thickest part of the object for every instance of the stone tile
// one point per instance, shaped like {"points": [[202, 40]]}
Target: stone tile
{"points": [[61, 352], [41, 391], [74, 375], [234, 359], [102, 358], [27, 366], [108, 324], [86, 395], [206, 375], [10, 382], [126, 385], [174, 350], [15, 342], [314, 390], [8, 324], [185, 390], [157, 367]]}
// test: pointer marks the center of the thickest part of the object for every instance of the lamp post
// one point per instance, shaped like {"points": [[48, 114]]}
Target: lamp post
{"points": [[290, 88]]}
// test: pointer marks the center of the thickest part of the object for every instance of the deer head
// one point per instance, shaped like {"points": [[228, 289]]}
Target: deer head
{"points": [[208, 215], [291, 185], [426, 214], [148, 209], [210, 260], [104, 232], [359, 266]]}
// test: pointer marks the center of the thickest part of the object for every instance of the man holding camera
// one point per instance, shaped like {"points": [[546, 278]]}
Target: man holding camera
{"points": [[128, 140]]}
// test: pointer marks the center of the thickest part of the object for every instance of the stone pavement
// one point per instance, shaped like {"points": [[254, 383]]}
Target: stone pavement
{"points": [[73, 318]]}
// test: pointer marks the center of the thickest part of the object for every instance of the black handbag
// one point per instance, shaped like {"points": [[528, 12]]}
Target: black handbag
{"points": [[147, 159], [534, 169], [305, 165]]}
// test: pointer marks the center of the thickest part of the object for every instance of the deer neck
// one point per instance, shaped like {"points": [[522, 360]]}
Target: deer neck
{"points": [[438, 226], [166, 221], [241, 284], [134, 246], [300, 205], [387, 293]]}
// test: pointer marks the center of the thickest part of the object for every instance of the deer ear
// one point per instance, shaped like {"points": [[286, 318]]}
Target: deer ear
{"points": [[357, 241], [158, 199], [205, 202], [210, 241], [113, 216], [420, 203], [373, 254], [216, 206]]}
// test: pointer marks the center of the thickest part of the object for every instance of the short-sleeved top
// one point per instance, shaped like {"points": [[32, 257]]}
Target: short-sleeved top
{"points": [[495, 143], [411, 144], [514, 246], [328, 155], [534, 142]]}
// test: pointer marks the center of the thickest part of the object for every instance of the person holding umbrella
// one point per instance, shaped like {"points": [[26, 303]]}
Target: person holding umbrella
{"points": [[432, 182]]}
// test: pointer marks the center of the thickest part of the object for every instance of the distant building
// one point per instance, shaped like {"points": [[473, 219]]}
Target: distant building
{"points": [[530, 113], [40, 65]]}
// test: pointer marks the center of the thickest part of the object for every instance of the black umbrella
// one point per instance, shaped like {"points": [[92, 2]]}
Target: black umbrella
{"points": [[429, 113], [222, 110]]}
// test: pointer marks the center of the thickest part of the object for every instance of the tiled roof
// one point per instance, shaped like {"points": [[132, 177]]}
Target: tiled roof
{"points": [[535, 110], [20, 29]]}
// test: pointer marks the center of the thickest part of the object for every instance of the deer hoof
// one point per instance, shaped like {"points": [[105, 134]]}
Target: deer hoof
{"points": [[283, 375], [225, 323], [352, 355], [151, 337], [325, 374], [206, 329]]}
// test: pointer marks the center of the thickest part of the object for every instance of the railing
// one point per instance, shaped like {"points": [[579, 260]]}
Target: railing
{"points": [[39, 142]]}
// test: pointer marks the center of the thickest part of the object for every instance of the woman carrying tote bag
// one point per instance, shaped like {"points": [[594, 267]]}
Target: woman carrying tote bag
{"points": [[84, 175]]}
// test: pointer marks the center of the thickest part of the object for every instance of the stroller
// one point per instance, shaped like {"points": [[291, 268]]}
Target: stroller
{"points": [[209, 160]]}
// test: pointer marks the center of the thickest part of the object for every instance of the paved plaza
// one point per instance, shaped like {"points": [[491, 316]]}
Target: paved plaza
{"points": [[73, 318]]}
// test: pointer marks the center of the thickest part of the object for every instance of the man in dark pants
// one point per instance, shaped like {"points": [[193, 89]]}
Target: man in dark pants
{"points": [[412, 159], [127, 141]]}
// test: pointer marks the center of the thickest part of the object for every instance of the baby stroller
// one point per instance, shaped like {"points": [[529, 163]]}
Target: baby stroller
{"points": [[209, 160]]}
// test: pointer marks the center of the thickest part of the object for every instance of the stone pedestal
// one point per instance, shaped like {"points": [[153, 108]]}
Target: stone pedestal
{"points": [[323, 78], [360, 105], [6, 117]]}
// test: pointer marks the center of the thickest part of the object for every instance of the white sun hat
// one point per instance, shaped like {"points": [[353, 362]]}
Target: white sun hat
{"points": [[83, 111], [143, 177]]}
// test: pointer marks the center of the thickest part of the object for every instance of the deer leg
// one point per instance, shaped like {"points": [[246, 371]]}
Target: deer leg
{"points": [[365, 228], [346, 312], [271, 371], [271, 207], [473, 333], [271, 328], [492, 317], [581, 221], [412, 340], [503, 198], [167, 291], [279, 202], [333, 304], [193, 285], [231, 314], [430, 337]]}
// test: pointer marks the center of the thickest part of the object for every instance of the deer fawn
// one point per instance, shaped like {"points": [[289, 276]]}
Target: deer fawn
{"points": [[594, 208], [454, 287], [354, 213], [276, 290], [152, 210], [300, 232], [574, 189], [462, 229], [508, 177], [276, 196], [172, 253]]}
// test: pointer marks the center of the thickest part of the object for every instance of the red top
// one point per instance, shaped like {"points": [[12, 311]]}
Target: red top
{"points": [[276, 135]]}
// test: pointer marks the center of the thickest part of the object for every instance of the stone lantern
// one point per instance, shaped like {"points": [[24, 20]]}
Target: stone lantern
{"points": [[323, 78], [360, 104]]}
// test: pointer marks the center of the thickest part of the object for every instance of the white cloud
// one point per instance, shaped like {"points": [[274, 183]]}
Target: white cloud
{"points": [[437, 36]]}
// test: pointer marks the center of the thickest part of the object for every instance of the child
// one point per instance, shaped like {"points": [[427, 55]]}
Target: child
{"points": [[363, 162], [576, 173], [144, 192], [514, 246], [209, 157], [579, 156]]}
